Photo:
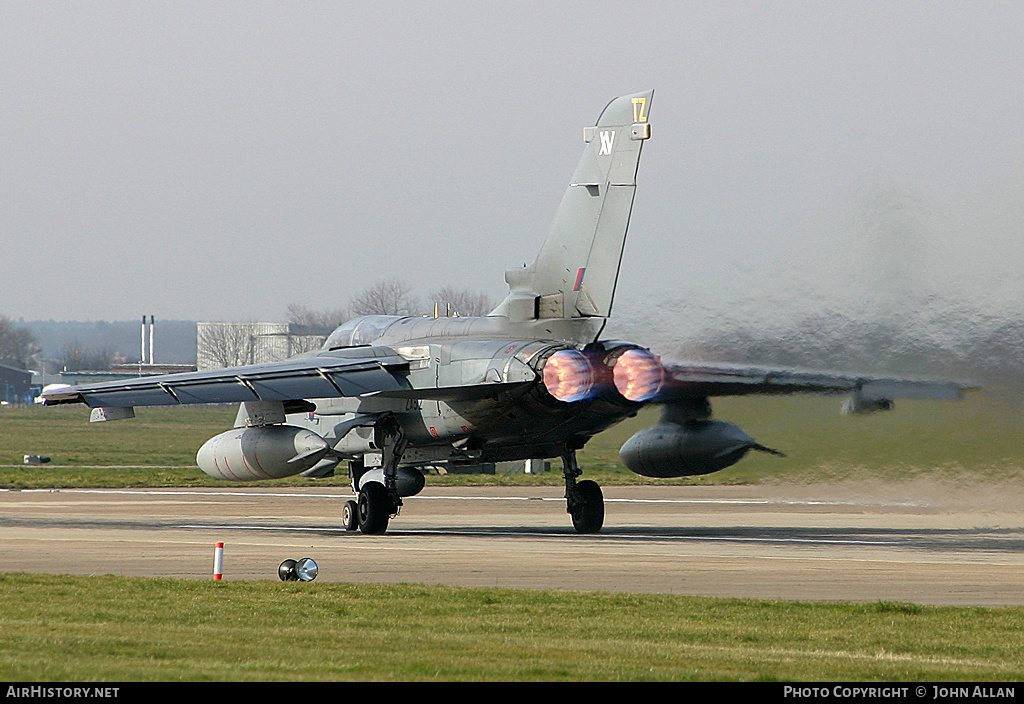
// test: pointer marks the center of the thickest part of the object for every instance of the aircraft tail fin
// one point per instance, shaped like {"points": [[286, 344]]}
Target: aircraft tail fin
{"points": [[574, 275]]}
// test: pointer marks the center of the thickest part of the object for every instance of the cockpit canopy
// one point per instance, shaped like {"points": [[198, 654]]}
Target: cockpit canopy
{"points": [[360, 331]]}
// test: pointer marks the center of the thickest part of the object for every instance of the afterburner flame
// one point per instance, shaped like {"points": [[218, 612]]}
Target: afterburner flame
{"points": [[568, 375], [638, 375]]}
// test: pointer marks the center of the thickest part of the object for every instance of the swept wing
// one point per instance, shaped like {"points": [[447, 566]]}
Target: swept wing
{"points": [[683, 380], [338, 373]]}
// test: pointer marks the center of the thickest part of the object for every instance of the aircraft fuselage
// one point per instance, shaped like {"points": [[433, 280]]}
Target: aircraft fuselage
{"points": [[514, 416]]}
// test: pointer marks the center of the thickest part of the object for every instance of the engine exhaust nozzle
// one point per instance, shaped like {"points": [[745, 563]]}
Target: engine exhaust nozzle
{"points": [[568, 375], [638, 375]]}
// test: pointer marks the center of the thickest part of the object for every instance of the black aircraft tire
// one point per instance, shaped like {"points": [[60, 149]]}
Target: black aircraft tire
{"points": [[374, 508], [588, 514], [350, 515]]}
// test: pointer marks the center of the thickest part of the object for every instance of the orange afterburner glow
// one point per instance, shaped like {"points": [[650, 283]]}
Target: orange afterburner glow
{"points": [[568, 375], [638, 375]]}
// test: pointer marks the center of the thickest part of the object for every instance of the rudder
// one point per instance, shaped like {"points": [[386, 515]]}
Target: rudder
{"points": [[575, 273]]}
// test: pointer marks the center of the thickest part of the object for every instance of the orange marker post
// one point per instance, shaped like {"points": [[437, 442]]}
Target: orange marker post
{"points": [[218, 561]]}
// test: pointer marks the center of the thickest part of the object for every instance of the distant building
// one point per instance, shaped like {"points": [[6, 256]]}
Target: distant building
{"points": [[220, 345], [15, 385]]}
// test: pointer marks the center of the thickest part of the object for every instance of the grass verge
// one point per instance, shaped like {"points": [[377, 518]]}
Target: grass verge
{"points": [[80, 629], [976, 439]]}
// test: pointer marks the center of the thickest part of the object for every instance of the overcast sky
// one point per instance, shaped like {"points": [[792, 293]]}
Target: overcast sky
{"points": [[220, 160]]}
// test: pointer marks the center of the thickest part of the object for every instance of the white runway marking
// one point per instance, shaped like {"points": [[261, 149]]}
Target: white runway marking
{"points": [[722, 502], [609, 535]]}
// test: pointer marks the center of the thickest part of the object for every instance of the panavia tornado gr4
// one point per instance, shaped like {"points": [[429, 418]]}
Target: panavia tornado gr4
{"points": [[531, 380]]}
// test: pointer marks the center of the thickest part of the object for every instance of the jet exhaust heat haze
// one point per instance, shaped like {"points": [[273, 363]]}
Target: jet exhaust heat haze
{"points": [[531, 380]]}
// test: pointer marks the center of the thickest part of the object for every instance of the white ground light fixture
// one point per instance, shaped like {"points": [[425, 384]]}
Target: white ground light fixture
{"points": [[303, 570]]}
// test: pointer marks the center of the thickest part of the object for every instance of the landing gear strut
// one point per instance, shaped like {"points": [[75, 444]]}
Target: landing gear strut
{"points": [[377, 503], [584, 500]]}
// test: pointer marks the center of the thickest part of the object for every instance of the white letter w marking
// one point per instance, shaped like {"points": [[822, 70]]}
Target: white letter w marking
{"points": [[606, 142]]}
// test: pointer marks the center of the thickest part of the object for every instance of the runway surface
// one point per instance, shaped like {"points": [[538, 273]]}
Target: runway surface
{"points": [[916, 542]]}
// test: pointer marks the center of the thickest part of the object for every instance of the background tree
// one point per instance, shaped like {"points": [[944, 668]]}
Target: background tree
{"points": [[226, 344], [76, 357], [385, 297], [464, 303], [316, 320], [17, 345]]}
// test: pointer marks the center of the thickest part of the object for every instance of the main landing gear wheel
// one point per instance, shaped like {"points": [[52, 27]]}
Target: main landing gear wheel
{"points": [[374, 508], [350, 515], [587, 510], [584, 500]]}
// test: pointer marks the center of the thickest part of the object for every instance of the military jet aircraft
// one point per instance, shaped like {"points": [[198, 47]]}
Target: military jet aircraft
{"points": [[531, 380]]}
